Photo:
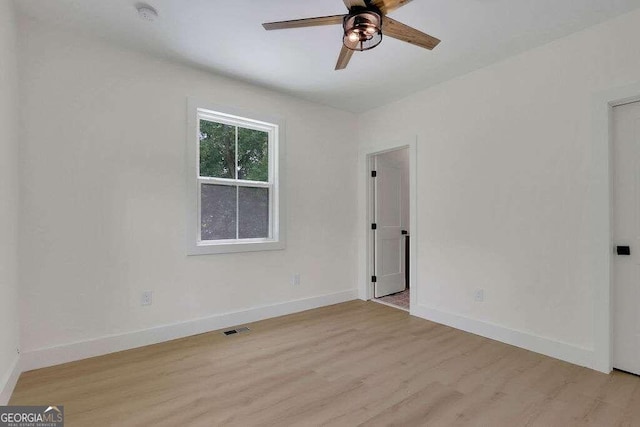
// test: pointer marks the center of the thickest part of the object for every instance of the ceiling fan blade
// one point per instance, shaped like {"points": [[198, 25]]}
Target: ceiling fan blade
{"points": [[352, 3], [345, 56], [387, 6], [400, 31], [307, 22]]}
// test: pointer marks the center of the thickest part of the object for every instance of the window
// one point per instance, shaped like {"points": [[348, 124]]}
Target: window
{"points": [[234, 202]]}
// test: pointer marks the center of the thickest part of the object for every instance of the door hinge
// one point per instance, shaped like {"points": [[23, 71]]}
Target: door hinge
{"points": [[374, 174], [374, 279], [374, 226]]}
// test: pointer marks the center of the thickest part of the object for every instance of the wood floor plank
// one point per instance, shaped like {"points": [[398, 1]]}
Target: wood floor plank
{"points": [[357, 363]]}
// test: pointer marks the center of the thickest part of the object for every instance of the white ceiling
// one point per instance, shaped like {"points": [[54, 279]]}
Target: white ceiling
{"points": [[226, 37]]}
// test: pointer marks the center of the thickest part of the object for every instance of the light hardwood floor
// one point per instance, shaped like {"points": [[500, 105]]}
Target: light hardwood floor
{"points": [[344, 365]]}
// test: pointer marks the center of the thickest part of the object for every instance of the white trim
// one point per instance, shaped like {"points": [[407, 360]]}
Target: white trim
{"points": [[238, 118], [9, 381], [365, 288], [234, 182], [548, 347], [44, 357], [277, 216], [601, 218]]}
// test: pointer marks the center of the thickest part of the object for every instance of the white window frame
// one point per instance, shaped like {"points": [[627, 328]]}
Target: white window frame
{"points": [[197, 110]]}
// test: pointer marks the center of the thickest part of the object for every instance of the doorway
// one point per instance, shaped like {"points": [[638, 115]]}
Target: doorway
{"points": [[389, 213], [626, 235]]}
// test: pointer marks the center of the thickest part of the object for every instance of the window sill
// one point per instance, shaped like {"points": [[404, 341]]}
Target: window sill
{"points": [[236, 247]]}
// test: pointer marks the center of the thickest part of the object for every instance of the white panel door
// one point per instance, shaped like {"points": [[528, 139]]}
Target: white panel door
{"points": [[626, 199], [389, 240]]}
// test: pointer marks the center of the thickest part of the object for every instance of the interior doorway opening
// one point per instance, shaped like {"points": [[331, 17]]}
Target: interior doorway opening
{"points": [[389, 213]]}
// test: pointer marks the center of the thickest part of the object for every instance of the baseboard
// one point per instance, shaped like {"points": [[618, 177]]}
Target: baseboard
{"points": [[548, 347], [9, 380], [51, 356]]}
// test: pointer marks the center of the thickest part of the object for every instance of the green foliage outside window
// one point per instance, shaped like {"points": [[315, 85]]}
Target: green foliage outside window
{"points": [[218, 152]]}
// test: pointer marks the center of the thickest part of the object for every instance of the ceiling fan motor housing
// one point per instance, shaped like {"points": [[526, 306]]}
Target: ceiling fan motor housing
{"points": [[362, 29]]}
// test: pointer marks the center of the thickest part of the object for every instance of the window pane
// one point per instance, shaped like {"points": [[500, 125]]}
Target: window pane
{"points": [[254, 213], [217, 150], [253, 155], [218, 212]]}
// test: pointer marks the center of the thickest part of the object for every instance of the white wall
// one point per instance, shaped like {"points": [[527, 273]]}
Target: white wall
{"points": [[512, 191], [104, 196], [8, 196]]}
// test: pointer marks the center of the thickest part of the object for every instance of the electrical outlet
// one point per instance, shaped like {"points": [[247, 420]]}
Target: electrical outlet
{"points": [[295, 279], [147, 298], [479, 295]]}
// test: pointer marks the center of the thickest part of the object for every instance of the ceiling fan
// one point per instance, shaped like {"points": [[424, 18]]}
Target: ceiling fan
{"points": [[363, 27]]}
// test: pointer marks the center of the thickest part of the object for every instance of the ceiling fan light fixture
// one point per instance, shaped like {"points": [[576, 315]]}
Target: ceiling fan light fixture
{"points": [[362, 30]]}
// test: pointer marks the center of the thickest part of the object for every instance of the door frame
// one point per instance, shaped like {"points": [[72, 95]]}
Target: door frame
{"points": [[601, 208], [365, 205]]}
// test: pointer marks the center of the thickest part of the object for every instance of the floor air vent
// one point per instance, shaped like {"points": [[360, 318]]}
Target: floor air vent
{"points": [[237, 331]]}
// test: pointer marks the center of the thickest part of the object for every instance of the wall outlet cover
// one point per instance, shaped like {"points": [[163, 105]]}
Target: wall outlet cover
{"points": [[295, 279], [147, 298]]}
